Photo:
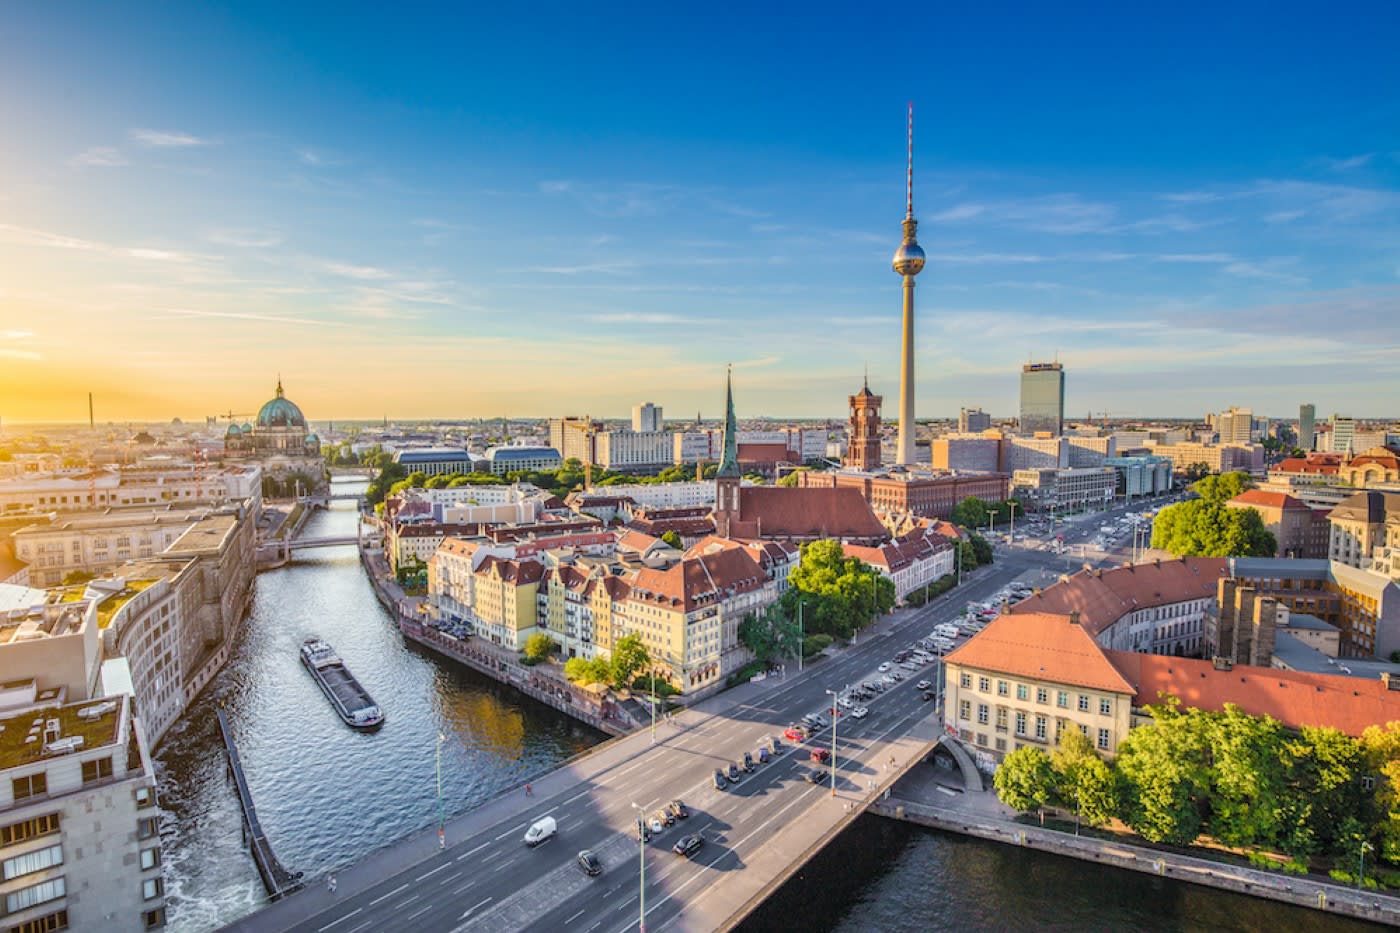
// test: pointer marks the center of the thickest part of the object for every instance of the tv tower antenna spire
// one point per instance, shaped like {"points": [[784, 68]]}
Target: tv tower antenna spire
{"points": [[909, 179]]}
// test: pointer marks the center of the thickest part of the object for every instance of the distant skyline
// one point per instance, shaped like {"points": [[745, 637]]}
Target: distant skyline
{"points": [[471, 214]]}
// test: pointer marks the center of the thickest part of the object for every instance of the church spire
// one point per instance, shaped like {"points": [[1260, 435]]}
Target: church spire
{"points": [[729, 460], [279, 385]]}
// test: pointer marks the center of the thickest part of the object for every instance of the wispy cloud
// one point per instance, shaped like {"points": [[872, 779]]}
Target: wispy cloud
{"points": [[627, 200], [1196, 257], [98, 157], [642, 317], [1348, 163], [31, 237], [621, 267], [245, 238], [982, 259], [166, 139], [351, 271], [248, 316], [1277, 270]]}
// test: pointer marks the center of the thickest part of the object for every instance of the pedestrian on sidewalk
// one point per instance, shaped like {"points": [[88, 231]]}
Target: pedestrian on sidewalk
{"points": [[330, 883]]}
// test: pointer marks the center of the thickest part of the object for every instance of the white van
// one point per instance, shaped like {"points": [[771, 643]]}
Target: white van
{"points": [[542, 829]]}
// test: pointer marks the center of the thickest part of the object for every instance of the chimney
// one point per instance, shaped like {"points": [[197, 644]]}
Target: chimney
{"points": [[1074, 617]]}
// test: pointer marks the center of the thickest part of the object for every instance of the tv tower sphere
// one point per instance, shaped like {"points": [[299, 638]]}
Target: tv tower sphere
{"points": [[909, 258]]}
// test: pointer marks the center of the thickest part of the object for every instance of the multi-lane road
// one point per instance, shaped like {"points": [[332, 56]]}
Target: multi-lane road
{"points": [[493, 881]]}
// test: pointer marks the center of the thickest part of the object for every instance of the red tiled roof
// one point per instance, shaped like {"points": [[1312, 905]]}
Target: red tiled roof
{"points": [[780, 512], [699, 579], [1300, 465], [764, 453], [518, 572], [1266, 500], [1102, 597], [1294, 698], [1044, 646]]}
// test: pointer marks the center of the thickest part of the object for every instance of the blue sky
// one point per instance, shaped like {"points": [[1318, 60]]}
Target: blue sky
{"points": [[545, 210]]}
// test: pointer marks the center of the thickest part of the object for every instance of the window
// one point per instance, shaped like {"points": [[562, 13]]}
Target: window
{"points": [[1083, 703], [150, 858], [1105, 707], [1001, 719], [48, 923], [1103, 738], [981, 738], [1023, 692], [97, 770], [982, 713], [152, 887], [1062, 699], [146, 828], [1001, 745], [154, 918], [38, 826], [1020, 723], [30, 862], [1040, 728], [984, 684], [34, 894], [1003, 688], [965, 681], [1083, 729], [32, 785], [965, 709]]}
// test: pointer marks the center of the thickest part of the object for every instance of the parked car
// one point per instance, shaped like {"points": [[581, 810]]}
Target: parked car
{"points": [[720, 782], [929, 696], [821, 755], [678, 809], [666, 816], [657, 823], [884, 667], [734, 774], [794, 734], [689, 845], [774, 745], [590, 863], [763, 756], [748, 763], [923, 685], [860, 712]]}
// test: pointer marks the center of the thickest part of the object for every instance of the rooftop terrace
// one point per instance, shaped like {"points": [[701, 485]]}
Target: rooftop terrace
{"points": [[23, 739]]}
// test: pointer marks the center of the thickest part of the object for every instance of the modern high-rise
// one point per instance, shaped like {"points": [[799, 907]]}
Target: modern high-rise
{"points": [[1307, 414], [1235, 426], [575, 438], [646, 417], [908, 262], [1343, 433], [972, 420], [1042, 398]]}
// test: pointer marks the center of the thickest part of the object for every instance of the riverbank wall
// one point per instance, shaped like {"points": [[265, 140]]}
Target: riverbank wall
{"points": [[1301, 891]]}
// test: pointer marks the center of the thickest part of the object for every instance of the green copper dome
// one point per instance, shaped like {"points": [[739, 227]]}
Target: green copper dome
{"points": [[280, 413]]}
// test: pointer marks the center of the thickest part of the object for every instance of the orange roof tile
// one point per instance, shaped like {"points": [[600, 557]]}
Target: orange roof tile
{"points": [[1102, 597], [781, 512], [1043, 646], [1266, 500], [1294, 698]]}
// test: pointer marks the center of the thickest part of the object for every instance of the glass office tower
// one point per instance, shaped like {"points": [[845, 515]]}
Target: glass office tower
{"points": [[1042, 398]]}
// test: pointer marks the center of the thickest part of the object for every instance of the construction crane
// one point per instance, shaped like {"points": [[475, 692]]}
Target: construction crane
{"points": [[234, 416]]}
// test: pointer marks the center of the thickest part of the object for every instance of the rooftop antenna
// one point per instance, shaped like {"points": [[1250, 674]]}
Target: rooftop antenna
{"points": [[909, 181]]}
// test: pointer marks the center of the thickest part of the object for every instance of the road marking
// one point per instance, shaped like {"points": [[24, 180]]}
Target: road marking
{"points": [[465, 886], [402, 904], [473, 851], [433, 872], [511, 831], [573, 918], [340, 919], [385, 897], [471, 910], [420, 912], [582, 793], [360, 927]]}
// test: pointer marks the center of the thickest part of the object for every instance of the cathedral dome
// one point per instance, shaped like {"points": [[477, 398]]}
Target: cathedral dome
{"points": [[280, 413]]}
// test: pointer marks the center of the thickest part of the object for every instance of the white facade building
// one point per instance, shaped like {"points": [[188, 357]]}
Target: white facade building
{"points": [[646, 418]]}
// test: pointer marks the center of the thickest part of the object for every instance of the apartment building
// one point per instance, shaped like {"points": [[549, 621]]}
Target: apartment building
{"points": [[1299, 530], [185, 484], [96, 542], [1365, 532], [79, 827]]}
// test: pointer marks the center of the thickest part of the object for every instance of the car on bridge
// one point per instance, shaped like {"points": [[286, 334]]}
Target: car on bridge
{"points": [[689, 845], [813, 777], [590, 863], [540, 830]]}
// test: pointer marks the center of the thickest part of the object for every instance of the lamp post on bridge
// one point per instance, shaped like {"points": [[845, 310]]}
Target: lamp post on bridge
{"points": [[834, 694], [641, 869], [442, 812]]}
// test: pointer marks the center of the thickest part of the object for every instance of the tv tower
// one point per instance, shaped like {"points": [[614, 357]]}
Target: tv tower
{"points": [[908, 262]]}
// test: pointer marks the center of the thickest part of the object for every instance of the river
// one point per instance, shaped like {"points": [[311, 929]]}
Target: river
{"points": [[327, 795]]}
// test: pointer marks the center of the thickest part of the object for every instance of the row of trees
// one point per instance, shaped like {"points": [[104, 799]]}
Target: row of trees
{"points": [[1246, 781], [1208, 527], [973, 512], [629, 657]]}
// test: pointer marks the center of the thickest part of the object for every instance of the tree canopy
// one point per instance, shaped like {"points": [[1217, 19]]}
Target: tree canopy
{"points": [[970, 513], [629, 655], [769, 634], [1207, 527], [839, 594], [539, 646]]}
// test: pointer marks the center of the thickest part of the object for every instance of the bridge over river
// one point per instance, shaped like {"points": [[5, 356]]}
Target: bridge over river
{"points": [[757, 833]]}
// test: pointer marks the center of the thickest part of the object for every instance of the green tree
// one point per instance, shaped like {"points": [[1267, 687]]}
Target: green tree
{"points": [[578, 670], [1246, 776], [1195, 471], [1025, 780], [769, 634], [1223, 487], [840, 594], [792, 479], [1083, 781], [970, 513], [1380, 747], [1325, 809], [674, 540], [1166, 776], [981, 549], [1208, 528], [629, 655], [967, 556], [539, 646]]}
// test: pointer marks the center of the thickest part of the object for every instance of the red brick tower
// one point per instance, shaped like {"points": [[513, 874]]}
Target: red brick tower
{"points": [[863, 451]]}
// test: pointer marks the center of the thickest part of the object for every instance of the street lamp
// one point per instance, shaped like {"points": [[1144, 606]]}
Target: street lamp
{"points": [[834, 694], [442, 812], [801, 642], [1361, 867], [641, 869]]}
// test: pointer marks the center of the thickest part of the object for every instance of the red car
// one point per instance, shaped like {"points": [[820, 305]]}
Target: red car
{"points": [[821, 755], [793, 734]]}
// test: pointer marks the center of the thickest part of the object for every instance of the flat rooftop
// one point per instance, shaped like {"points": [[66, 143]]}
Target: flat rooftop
{"points": [[207, 534], [116, 518], [22, 735]]}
